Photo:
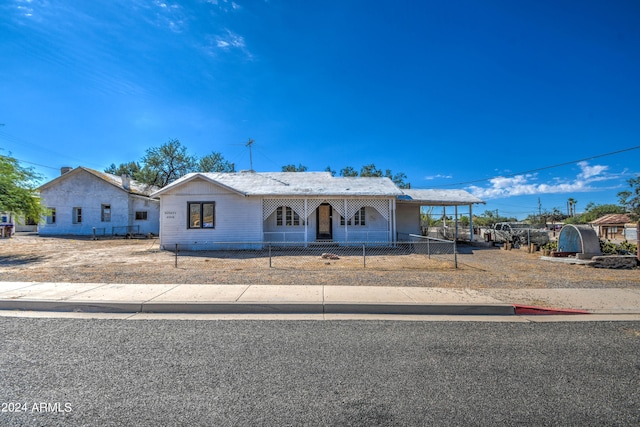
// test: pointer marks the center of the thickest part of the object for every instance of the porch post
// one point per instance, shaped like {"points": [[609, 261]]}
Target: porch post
{"points": [[444, 221], [456, 222], [471, 223], [346, 221], [392, 220], [306, 220]]}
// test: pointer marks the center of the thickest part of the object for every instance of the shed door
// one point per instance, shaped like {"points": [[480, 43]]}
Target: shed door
{"points": [[324, 231]]}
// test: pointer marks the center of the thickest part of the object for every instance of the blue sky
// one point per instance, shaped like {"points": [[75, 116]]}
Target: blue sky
{"points": [[479, 95]]}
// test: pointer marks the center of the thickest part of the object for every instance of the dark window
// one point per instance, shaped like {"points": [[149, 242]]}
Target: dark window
{"points": [[77, 215], [358, 218], [287, 216], [201, 214], [141, 215], [105, 212], [51, 218]]}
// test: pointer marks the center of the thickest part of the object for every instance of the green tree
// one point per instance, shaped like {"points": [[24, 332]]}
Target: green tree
{"points": [[165, 164], [214, 162], [594, 212], [370, 171], [331, 171], [131, 169], [348, 171], [571, 207], [294, 168], [398, 179], [18, 189], [630, 199], [168, 162]]}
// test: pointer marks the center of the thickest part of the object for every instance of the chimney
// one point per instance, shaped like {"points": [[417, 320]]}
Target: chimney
{"points": [[126, 182], [65, 169]]}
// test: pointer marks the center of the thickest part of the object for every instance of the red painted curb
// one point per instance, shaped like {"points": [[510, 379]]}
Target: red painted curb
{"points": [[532, 309]]}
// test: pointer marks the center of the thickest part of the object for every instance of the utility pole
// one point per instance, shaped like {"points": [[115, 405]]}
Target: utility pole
{"points": [[539, 207]]}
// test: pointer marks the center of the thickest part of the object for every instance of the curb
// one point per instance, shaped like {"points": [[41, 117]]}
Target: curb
{"points": [[527, 310], [72, 306], [258, 308], [283, 308]]}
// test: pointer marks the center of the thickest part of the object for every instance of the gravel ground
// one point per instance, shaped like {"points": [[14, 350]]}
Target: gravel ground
{"points": [[46, 259]]}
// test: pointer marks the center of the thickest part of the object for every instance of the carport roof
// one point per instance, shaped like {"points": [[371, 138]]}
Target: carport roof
{"points": [[438, 197]]}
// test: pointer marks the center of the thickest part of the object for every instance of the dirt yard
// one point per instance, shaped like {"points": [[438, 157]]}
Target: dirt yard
{"points": [[34, 258]]}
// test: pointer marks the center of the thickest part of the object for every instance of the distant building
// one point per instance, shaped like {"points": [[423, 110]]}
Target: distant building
{"points": [[611, 226], [7, 225]]}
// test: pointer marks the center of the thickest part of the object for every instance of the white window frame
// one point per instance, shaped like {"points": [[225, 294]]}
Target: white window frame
{"points": [[77, 215], [358, 218], [287, 217], [51, 217]]}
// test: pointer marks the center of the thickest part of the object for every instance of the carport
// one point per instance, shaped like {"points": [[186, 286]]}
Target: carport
{"points": [[409, 209]]}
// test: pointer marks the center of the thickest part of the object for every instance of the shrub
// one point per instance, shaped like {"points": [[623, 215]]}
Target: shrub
{"points": [[625, 248]]}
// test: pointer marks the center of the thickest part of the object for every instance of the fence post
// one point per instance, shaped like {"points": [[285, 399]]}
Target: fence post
{"points": [[176, 261], [364, 256], [455, 254], [428, 249], [269, 255]]}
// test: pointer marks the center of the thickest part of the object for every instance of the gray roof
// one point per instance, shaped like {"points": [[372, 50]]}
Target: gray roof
{"points": [[293, 184], [439, 197], [285, 184], [134, 187]]}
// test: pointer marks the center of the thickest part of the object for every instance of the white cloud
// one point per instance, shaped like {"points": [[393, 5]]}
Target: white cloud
{"points": [[228, 42], [438, 176], [590, 171], [224, 5], [526, 184]]}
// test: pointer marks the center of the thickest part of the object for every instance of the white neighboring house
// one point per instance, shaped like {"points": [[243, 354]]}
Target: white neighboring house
{"points": [[248, 208], [82, 199], [7, 225]]}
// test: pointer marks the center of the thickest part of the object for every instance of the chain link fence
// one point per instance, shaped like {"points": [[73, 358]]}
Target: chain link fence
{"points": [[418, 254]]}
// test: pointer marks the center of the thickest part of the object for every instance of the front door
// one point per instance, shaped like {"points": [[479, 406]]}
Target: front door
{"points": [[324, 231]]}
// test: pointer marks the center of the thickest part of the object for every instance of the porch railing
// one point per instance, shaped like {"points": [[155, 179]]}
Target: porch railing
{"points": [[357, 236]]}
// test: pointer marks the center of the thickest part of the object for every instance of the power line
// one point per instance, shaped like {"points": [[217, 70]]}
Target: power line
{"points": [[31, 163], [511, 175]]}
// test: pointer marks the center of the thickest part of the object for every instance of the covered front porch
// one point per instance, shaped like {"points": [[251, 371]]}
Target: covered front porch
{"points": [[342, 221]]}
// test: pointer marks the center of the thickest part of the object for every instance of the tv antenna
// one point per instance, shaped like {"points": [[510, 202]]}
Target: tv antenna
{"points": [[250, 144]]}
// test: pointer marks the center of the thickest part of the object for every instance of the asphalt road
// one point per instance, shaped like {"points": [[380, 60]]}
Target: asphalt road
{"points": [[59, 372]]}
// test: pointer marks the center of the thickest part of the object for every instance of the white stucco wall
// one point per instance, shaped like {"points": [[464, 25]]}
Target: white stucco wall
{"points": [[408, 218], [152, 207], [88, 192], [238, 219]]}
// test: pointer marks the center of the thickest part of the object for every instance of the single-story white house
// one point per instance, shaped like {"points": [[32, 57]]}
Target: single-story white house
{"points": [[82, 200], [247, 209]]}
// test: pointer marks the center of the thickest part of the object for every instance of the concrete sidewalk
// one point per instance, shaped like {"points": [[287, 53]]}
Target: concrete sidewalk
{"points": [[262, 299]]}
